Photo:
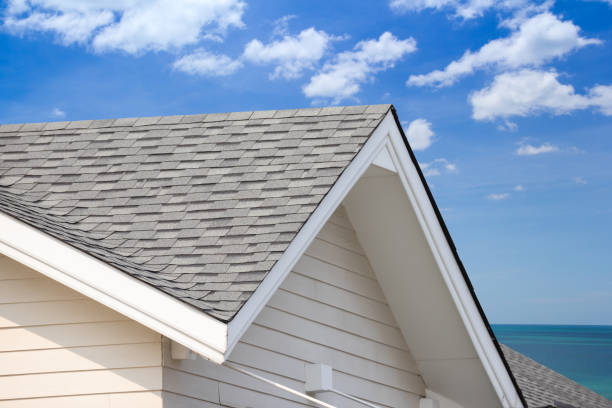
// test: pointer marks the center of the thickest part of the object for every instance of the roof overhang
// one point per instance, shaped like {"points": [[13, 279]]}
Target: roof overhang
{"points": [[113, 288]]}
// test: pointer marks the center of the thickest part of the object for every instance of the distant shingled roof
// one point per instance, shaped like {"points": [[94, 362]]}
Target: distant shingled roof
{"points": [[543, 387], [199, 206]]}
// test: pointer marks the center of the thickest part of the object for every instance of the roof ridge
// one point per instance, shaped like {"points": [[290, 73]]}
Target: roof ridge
{"points": [[190, 118]]}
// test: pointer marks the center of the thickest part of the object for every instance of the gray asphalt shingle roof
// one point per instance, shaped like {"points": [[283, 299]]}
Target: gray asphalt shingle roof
{"points": [[199, 206], [543, 387]]}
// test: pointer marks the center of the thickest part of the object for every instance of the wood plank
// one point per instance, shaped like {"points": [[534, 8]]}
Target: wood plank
{"points": [[342, 237], [237, 397], [172, 400], [341, 257], [337, 297], [338, 359], [78, 383], [340, 218], [80, 359], [11, 269], [341, 319], [337, 339], [325, 272], [34, 290], [204, 370], [122, 400], [57, 312], [377, 392], [74, 335], [294, 368], [192, 385]]}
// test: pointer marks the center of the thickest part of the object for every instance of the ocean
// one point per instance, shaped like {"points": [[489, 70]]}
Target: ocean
{"points": [[582, 353]]}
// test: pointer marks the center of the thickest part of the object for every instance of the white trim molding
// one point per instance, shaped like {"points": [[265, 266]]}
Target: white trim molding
{"points": [[113, 288], [451, 272]]}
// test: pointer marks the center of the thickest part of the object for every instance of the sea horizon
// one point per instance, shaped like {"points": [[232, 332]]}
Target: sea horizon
{"points": [[581, 352]]}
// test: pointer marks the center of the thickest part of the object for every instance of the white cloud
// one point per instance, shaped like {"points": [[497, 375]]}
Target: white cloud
{"points": [[419, 134], [342, 78], [530, 150], [466, 9], [498, 197], [437, 167], [519, 188], [58, 113], [601, 97], [281, 25], [207, 64], [292, 54], [530, 92], [129, 25], [537, 40], [580, 180]]}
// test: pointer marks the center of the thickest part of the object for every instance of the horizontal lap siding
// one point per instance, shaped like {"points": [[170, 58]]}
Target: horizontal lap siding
{"points": [[61, 349], [329, 310]]}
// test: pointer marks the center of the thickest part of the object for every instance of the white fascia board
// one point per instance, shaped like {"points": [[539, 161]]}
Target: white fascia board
{"points": [[113, 288], [451, 272], [366, 156]]}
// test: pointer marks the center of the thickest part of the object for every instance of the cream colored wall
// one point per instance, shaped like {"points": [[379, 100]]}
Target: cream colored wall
{"points": [[60, 349], [329, 310]]}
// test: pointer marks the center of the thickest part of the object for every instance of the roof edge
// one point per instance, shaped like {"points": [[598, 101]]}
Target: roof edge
{"points": [[457, 259], [113, 288]]}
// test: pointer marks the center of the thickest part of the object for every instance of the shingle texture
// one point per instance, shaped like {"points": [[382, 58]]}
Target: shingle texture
{"points": [[198, 206], [543, 387]]}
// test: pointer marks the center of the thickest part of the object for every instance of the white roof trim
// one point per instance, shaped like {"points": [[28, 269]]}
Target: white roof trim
{"points": [[451, 272], [368, 153], [113, 288]]}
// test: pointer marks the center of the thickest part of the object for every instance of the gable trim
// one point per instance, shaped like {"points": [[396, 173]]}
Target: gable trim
{"points": [[368, 153], [113, 288], [452, 270]]}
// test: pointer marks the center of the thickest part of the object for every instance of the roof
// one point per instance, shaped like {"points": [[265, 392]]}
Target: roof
{"points": [[543, 387], [200, 206]]}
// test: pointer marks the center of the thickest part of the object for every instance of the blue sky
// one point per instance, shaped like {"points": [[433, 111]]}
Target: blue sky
{"points": [[508, 103]]}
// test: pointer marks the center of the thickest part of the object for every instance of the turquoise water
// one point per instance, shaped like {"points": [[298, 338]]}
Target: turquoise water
{"points": [[582, 353]]}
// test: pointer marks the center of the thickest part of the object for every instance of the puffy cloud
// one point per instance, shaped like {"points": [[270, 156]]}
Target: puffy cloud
{"points": [[537, 40], [437, 167], [207, 64], [498, 197], [419, 134], [342, 78], [291, 54], [530, 92], [519, 187], [129, 25], [530, 150], [601, 97]]}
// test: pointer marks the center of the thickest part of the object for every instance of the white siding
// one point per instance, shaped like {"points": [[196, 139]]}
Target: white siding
{"points": [[329, 310], [60, 349]]}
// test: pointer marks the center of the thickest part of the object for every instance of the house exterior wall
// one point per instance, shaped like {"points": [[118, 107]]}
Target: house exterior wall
{"points": [[330, 310], [61, 349]]}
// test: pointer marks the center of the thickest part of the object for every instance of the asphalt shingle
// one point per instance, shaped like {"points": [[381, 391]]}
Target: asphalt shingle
{"points": [[199, 206], [543, 387]]}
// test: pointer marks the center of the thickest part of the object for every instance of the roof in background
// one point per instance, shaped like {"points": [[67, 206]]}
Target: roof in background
{"points": [[199, 206], [543, 387]]}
